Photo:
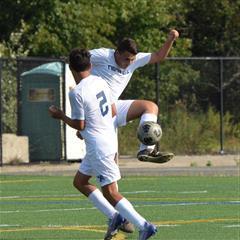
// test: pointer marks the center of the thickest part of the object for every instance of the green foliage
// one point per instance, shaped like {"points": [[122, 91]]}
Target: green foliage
{"points": [[214, 26], [15, 12], [70, 25], [209, 164], [52, 28], [186, 132], [197, 133], [127, 139], [9, 97], [177, 79]]}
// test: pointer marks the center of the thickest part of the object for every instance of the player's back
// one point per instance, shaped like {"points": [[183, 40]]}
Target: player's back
{"points": [[94, 106]]}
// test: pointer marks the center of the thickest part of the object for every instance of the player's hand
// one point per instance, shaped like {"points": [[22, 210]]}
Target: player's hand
{"points": [[79, 135], [173, 35], [55, 112]]}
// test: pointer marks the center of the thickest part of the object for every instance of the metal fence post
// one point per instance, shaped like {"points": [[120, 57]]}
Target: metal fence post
{"points": [[221, 107], [1, 160], [18, 96], [157, 74], [64, 109]]}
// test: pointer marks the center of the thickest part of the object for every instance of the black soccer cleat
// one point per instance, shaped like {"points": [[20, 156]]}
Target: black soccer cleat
{"points": [[149, 155]]}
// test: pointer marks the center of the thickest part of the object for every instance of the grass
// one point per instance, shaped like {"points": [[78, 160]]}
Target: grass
{"points": [[186, 208]]}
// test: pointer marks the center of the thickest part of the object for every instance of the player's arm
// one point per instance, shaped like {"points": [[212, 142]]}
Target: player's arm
{"points": [[114, 110], [59, 114], [162, 53]]}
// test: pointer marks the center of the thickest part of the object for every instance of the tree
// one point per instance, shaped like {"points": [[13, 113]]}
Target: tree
{"points": [[214, 27], [14, 12]]}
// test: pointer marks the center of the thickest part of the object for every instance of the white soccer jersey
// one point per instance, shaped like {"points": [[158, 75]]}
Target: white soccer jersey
{"points": [[90, 101], [104, 65]]}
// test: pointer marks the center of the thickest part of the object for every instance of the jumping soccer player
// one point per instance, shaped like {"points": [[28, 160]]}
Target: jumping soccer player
{"points": [[92, 114], [116, 68]]}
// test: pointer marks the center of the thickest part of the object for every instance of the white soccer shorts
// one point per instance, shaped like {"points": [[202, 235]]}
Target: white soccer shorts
{"points": [[122, 110], [104, 168]]}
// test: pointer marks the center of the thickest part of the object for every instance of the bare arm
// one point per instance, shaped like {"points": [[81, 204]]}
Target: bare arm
{"points": [[114, 110], [59, 114], [162, 53]]}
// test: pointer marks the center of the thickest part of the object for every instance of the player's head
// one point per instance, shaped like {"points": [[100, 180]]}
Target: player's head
{"points": [[79, 60], [126, 52]]}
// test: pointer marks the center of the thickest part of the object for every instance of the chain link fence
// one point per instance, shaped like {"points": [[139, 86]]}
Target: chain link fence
{"points": [[198, 100], [203, 107]]}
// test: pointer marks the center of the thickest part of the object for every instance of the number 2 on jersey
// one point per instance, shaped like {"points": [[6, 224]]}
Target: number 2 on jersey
{"points": [[103, 103]]}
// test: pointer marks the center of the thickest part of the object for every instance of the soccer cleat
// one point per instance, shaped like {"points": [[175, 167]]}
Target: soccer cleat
{"points": [[149, 230], [114, 226], [149, 155], [127, 227]]}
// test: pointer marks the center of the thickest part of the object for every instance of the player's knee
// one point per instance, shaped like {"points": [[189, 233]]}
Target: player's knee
{"points": [[151, 107], [107, 192], [77, 183], [110, 191], [113, 196]]}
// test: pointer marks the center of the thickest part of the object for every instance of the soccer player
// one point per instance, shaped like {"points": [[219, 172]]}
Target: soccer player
{"points": [[92, 114], [116, 68]]}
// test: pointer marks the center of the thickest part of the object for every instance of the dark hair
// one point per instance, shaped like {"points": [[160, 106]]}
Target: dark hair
{"points": [[79, 59], [127, 44]]}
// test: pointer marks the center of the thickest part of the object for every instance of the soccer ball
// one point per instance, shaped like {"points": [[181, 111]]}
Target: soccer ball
{"points": [[149, 133]]}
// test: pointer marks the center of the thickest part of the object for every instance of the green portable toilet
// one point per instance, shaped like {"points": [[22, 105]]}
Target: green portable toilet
{"points": [[39, 88]]}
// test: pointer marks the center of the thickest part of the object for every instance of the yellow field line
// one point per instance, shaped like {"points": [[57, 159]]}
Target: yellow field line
{"points": [[101, 228], [68, 228]]}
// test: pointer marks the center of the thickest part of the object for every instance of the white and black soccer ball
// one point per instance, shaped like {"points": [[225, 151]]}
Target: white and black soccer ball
{"points": [[149, 133]]}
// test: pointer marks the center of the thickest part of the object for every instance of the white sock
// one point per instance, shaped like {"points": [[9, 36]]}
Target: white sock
{"points": [[101, 203], [126, 209], [144, 118]]}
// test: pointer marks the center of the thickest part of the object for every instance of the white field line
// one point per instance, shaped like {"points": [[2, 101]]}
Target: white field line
{"points": [[48, 210], [98, 228], [182, 204], [8, 225], [143, 191], [170, 204], [79, 195], [192, 192], [93, 208], [232, 226], [41, 196], [167, 225], [10, 197]]}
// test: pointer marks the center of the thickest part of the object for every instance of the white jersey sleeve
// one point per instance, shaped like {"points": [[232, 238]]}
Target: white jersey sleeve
{"points": [[76, 102], [97, 55], [141, 59]]}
